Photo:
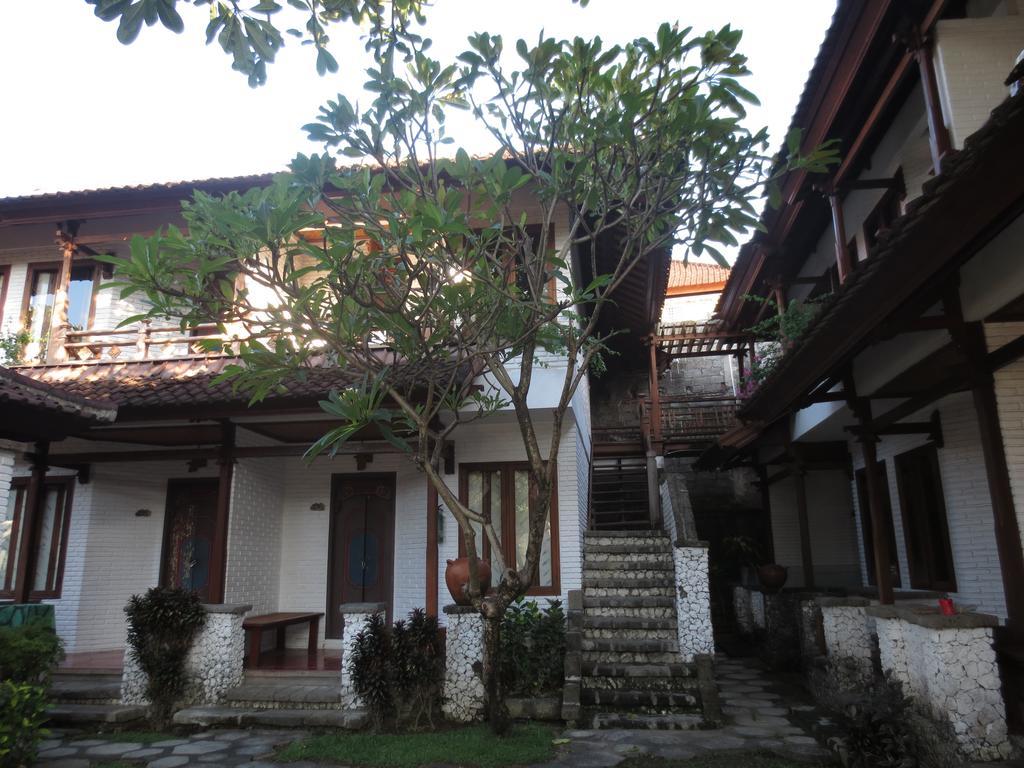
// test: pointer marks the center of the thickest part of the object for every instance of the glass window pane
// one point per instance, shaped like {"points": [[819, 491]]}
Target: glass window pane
{"points": [[522, 502], [475, 503], [494, 507], [80, 297], [40, 305], [8, 548], [43, 577]]}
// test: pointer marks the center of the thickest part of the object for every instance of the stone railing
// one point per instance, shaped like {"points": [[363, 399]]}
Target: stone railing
{"points": [[214, 664]]}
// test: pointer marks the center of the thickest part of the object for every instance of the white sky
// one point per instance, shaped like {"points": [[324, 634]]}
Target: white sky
{"points": [[78, 110]]}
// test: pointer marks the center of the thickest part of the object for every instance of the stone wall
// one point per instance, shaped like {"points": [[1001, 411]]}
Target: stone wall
{"points": [[743, 610], [464, 696], [354, 617], [849, 639], [693, 601], [214, 664], [947, 665]]}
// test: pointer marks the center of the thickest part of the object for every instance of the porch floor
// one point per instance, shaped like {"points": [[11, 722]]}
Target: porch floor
{"points": [[94, 662], [297, 660]]}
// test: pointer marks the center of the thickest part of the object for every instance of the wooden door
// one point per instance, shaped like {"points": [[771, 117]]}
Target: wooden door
{"points": [[361, 544], [188, 553]]}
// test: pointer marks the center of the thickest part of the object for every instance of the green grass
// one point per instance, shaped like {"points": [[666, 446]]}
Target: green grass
{"points": [[472, 746], [128, 737], [721, 760]]}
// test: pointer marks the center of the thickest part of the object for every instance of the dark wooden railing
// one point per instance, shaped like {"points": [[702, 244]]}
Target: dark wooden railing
{"points": [[142, 342]]}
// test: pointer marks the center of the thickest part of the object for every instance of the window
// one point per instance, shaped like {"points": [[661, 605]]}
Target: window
{"points": [[502, 493], [885, 212], [924, 520], [39, 298], [5, 276], [52, 543], [867, 527]]}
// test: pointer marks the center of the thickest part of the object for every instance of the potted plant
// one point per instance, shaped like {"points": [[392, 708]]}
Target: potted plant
{"points": [[456, 577]]}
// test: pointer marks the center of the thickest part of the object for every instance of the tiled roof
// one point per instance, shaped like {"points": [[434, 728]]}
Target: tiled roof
{"points": [[163, 186], [691, 274], [186, 382], [21, 391]]}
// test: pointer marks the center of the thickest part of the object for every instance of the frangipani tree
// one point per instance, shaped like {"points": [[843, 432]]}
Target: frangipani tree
{"points": [[417, 271]]}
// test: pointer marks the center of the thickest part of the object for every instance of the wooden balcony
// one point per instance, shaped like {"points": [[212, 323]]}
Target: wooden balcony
{"points": [[688, 424], [143, 342]]}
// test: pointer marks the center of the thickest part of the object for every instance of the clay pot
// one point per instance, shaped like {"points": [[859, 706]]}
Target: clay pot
{"points": [[456, 576], [773, 577]]}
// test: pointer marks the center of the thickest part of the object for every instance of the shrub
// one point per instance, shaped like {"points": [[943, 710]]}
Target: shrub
{"points": [[532, 648], [161, 627], [876, 732], [22, 714], [29, 653], [397, 671]]}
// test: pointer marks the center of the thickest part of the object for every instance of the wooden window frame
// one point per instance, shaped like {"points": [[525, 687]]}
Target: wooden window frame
{"points": [[55, 266], [5, 281], [899, 462], [58, 555], [507, 533]]}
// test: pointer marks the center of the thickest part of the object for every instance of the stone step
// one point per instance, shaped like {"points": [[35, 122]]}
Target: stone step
{"points": [[627, 546], [664, 581], [630, 591], [630, 645], [630, 569], [629, 698], [628, 601], [85, 714], [86, 691], [351, 719], [617, 560], [270, 693], [628, 623], [662, 684], [597, 536], [631, 671], [635, 720], [637, 634], [640, 657]]}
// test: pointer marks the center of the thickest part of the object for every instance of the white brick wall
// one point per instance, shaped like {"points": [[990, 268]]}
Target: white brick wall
{"points": [[968, 505], [972, 58], [830, 518], [1009, 386]]}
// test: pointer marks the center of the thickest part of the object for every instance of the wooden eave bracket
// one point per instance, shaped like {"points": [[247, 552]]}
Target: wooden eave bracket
{"points": [[932, 428]]}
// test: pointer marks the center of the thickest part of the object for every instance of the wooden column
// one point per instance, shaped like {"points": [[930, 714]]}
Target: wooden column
{"points": [[654, 446], [879, 525], [806, 558], [218, 559], [766, 502], [432, 564], [938, 135], [59, 316], [844, 259], [656, 436], [1008, 543], [31, 517]]}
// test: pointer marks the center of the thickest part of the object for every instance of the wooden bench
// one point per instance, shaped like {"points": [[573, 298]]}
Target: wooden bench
{"points": [[279, 621]]}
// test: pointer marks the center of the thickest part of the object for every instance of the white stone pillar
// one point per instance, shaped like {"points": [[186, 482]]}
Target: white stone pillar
{"points": [[849, 639], [693, 600], [948, 667], [464, 696], [743, 610], [214, 664], [354, 617]]}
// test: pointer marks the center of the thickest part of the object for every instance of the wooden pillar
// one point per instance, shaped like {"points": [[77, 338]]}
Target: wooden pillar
{"points": [[31, 517], [766, 503], [844, 259], [741, 372], [806, 558], [1008, 543], [432, 564], [656, 436], [938, 135], [879, 525], [57, 336], [654, 445], [218, 559]]}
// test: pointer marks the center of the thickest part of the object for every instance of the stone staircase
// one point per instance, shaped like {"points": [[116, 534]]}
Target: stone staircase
{"points": [[307, 699], [89, 697], [623, 635]]}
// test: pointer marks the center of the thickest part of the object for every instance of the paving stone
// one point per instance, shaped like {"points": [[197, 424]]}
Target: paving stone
{"points": [[253, 751], [800, 740], [171, 761], [774, 711], [48, 744], [89, 742], [114, 749], [56, 752], [200, 747], [169, 743], [231, 735], [755, 731], [66, 762], [140, 754]]}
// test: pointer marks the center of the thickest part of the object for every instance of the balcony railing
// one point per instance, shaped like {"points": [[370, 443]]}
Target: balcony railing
{"points": [[143, 342], [684, 419]]}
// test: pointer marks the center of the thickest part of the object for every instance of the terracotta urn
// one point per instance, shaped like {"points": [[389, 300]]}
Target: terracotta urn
{"points": [[456, 576], [772, 577]]}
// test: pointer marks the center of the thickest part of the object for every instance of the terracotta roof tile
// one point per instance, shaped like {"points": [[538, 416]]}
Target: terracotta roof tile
{"points": [[691, 274], [19, 391]]}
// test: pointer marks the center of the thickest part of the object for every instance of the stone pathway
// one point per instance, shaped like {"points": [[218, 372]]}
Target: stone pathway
{"points": [[210, 749], [759, 715]]}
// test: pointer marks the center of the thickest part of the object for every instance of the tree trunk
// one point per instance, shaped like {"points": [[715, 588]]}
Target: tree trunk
{"points": [[497, 713]]}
